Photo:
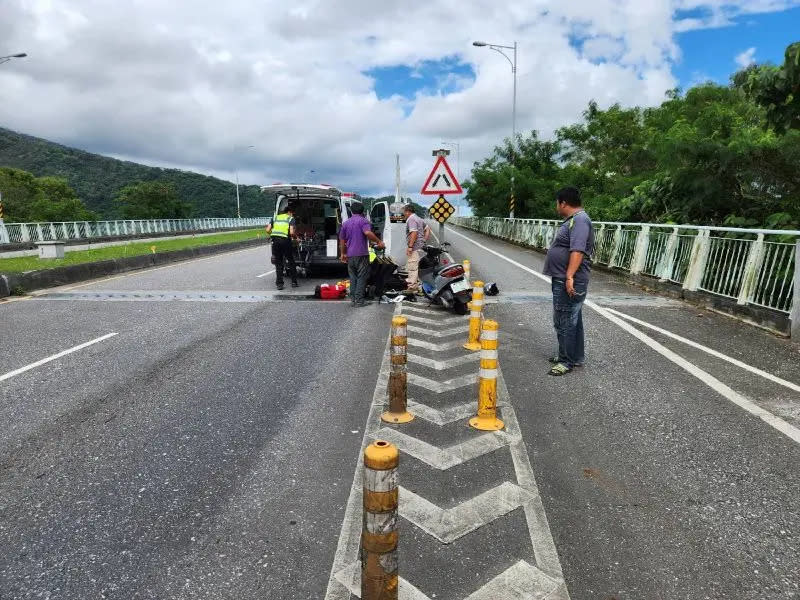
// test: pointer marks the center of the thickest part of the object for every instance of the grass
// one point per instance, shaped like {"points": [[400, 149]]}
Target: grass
{"points": [[32, 263]]}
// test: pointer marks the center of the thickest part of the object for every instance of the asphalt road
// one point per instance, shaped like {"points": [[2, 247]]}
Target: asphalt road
{"points": [[207, 450]]}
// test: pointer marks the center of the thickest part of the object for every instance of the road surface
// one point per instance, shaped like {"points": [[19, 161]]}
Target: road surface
{"points": [[205, 444]]}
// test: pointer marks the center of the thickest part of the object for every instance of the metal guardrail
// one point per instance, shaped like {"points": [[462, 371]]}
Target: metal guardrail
{"points": [[752, 266], [86, 230]]}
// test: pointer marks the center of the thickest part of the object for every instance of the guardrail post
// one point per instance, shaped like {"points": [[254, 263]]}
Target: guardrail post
{"points": [[615, 244], [668, 260], [639, 260], [697, 261], [398, 377], [794, 314], [4, 237], [487, 420], [755, 260], [379, 580]]}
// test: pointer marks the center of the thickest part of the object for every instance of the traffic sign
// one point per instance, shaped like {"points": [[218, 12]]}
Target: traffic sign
{"points": [[441, 210], [441, 180]]}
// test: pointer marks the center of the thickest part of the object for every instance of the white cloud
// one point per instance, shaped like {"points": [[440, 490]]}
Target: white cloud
{"points": [[183, 83], [746, 58]]}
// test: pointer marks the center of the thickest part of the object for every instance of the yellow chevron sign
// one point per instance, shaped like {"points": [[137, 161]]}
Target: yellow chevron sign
{"points": [[441, 210]]}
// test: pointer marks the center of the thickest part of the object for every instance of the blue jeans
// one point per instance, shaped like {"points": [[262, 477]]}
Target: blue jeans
{"points": [[568, 322], [358, 269]]}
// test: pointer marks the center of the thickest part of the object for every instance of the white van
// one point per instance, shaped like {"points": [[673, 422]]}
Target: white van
{"points": [[319, 211]]}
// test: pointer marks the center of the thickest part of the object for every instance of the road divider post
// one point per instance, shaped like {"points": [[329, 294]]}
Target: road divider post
{"points": [[398, 376], [487, 420], [475, 315], [379, 580]]}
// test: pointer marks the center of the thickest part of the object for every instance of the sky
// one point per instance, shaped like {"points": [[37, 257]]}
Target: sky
{"points": [[328, 92]]}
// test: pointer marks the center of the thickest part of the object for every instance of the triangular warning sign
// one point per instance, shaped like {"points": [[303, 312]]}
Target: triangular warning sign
{"points": [[441, 180]]}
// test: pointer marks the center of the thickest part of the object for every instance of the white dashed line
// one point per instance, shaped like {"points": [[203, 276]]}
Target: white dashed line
{"points": [[39, 363]]}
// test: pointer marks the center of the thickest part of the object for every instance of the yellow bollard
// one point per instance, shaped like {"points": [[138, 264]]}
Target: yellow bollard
{"points": [[398, 377], [153, 249], [467, 266], [379, 526], [475, 309], [487, 381]]}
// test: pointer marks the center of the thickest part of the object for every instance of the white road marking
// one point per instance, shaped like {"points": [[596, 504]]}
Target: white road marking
{"points": [[265, 274], [440, 387], [772, 420], [707, 350], [440, 322], [39, 363], [442, 365], [439, 334], [448, 525], [522, 581], [443, 416], [446, 458], [350, 577], [433, 346]]}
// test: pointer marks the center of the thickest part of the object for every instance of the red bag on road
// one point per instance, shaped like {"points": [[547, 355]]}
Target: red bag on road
{"points": [[328, 291]]}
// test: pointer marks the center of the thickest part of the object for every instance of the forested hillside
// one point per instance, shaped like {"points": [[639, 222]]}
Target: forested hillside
{"points": [[716, 154], [97, 180]]}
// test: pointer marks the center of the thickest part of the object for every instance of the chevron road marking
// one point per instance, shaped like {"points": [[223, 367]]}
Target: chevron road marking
{"points": [[443, 416], [442, 365], [439, 334], [440, 387], [440, 322], [522, 581], [448, 525], [446, 458], [350, 577], [435, 347]]}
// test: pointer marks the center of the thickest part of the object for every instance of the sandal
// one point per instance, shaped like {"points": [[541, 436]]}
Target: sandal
{"points": [[559, 369], [554, 360]]}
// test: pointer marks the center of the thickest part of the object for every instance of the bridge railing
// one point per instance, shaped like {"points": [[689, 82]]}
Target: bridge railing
{"points": [[87, 230], [752, 266]]}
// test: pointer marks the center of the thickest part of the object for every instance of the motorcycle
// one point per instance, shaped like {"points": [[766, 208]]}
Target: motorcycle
{"points": [[442, 281]]}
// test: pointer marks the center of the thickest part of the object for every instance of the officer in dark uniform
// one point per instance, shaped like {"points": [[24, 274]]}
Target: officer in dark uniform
{"points": [[282, 230]]}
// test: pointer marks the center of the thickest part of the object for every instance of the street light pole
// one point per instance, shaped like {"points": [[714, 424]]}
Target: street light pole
{"points": [[5, 59], [236, 173], [499, 48]]}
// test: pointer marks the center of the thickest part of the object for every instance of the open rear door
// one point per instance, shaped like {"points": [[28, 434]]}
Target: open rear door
{"points": [[381, 225]]}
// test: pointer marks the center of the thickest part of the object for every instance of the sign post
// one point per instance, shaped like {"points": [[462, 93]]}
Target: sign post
{"points": [[441, 181]]}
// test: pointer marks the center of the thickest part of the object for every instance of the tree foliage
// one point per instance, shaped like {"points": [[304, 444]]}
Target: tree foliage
{"points": [[97, 180], [27, 198], [152, 200], [714, 155]]}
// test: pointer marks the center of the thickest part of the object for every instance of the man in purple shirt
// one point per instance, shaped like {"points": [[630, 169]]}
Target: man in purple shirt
{"points": [[354, 251]]}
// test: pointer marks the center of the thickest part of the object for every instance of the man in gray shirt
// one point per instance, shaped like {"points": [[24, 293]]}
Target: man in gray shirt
{"points": [[568, 263], [415, 240]]}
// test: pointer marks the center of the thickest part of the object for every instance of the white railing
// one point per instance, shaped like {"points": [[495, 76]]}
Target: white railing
{"points": [[86, 230], [751, 266]]}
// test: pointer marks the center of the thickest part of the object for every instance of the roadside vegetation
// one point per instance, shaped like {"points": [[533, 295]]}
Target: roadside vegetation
{"points": [[32, 263], [715, 155]]}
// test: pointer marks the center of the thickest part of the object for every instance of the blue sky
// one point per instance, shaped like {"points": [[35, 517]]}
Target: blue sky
{"points": [[709, 54], [431, 77]]}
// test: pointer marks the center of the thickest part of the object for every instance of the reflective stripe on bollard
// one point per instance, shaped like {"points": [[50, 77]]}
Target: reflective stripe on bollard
{"points": [[379, 527], [487, 381]]}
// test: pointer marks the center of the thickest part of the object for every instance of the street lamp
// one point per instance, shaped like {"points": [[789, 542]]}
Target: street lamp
{"points": [[513, 63], [236, 173], [5, 59], [457, 146]]}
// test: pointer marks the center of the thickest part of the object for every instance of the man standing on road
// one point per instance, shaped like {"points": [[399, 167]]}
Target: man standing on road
{"points": [[281, 231], [568, 263], [354, 251], [415, 240]]}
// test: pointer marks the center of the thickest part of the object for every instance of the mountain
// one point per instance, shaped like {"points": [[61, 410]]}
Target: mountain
{"points": [[97, 178]]}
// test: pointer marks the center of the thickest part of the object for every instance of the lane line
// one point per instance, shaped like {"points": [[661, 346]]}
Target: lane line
{"points": [[39, 363], [265, 274], [707, 350], [770, 419]]}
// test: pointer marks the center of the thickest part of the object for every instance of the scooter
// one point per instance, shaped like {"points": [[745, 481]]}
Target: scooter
{"points": [[442, 281]]}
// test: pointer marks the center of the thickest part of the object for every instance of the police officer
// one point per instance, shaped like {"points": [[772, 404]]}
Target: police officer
{"points": [[282, 230]]}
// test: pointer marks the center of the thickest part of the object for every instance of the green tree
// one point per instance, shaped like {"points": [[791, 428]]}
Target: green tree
{"points": [[20, 191], [57, 201], [152, 200]]}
